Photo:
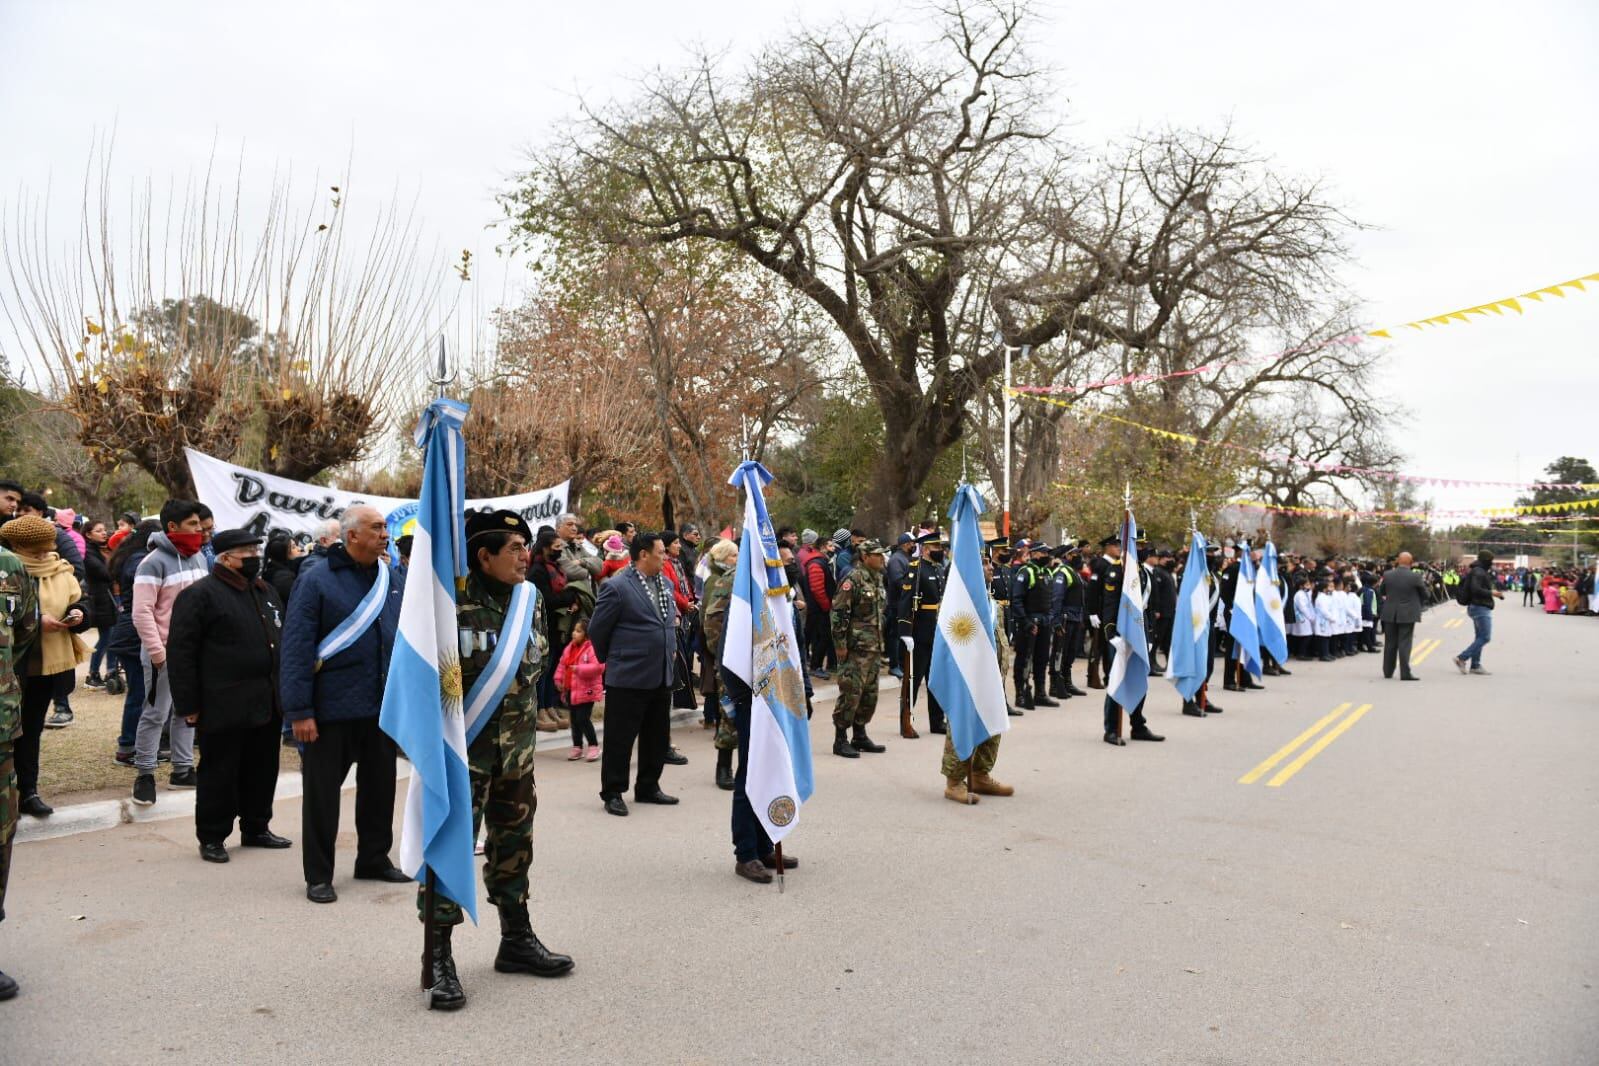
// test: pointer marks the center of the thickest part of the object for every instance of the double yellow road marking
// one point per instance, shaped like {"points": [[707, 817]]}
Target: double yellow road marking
{"points": [[1426, 648], [1454, 623], [1283, 775]]}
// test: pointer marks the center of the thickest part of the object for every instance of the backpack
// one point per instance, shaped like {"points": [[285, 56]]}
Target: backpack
{"points": [[1463, 590]]}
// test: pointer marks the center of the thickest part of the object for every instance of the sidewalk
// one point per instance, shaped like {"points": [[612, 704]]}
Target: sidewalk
{"points": [[109, 814]]}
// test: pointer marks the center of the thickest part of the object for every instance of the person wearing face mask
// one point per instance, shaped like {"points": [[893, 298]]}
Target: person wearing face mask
{"points": [[222, 665], [173, 564]]}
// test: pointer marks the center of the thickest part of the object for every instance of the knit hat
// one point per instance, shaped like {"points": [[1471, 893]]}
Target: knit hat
{"points": [[614, 543], [808, 537], [30, 534], [841, 537], [66, 517]]}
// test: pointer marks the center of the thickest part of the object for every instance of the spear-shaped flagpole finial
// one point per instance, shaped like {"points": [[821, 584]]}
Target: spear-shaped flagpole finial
{"points": [[1193, 520], [1127, 495], [443, 374]]}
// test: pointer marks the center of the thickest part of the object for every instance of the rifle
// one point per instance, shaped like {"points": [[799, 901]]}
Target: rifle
{"points": [[1096, 648]]}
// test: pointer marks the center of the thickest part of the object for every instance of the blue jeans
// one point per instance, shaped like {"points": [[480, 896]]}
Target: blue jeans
{"points": [[132, 702], [100, 654], [1482, 621]]}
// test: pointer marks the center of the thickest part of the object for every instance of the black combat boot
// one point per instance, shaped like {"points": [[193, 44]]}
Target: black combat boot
{"points": [[861, 742], [1057, 687], [1192, 709], [841, 745], [521, 951], [438, 973], [724, 770], [1024, 698], [1040, 690]]}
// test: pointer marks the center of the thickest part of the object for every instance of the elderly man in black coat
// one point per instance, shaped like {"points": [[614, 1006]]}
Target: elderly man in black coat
{"points": [[222, 655], [1403, 591], [634, 632]]}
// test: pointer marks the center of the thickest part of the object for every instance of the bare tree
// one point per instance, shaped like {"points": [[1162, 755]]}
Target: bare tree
{"points": [[197, 327]]}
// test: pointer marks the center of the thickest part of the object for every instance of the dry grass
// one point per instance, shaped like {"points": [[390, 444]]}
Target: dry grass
{"points": [[78, 758]]}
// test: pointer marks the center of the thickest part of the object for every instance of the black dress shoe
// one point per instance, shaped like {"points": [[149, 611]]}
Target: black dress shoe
{"points": [[393, 875], [1212, 708], [1112, 738], [1192, 710], [213, 853], [1045, 701], [1142, 732], [770, 861], [8, 987], [939, 727], [615, 805], [1013, 712], [675, 757], [1232, 686], [753, 871], [1073, 690], [1284, 673], [264, 840], [35, 806], [322, 893], [1409, 677], [655, 797]]}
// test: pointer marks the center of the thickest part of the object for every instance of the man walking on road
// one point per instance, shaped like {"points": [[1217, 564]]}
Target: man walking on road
{"points": [[1402, 590], [1478, 596]]}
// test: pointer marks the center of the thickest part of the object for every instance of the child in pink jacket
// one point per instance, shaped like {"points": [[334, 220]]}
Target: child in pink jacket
{"points": [[581, 680]]}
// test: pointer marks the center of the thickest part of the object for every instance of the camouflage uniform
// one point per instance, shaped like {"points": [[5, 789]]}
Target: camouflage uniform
{"points": [[858, 629], [19, 623], [501, 758], [983, 757], [713, 621]]}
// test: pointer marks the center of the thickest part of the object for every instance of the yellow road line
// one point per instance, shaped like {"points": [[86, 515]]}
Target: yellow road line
{"points": [[1292, 746], [1427, 648], [1316, 749], [1454, 623]]}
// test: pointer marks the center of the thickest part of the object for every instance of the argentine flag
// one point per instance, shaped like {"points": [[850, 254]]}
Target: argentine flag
{"points": [[1128, 683], [1269, 606], [1243, 627], [422, 697], [1190, 639], [760, 649], [965, 669]]}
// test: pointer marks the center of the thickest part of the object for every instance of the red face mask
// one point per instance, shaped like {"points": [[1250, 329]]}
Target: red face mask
{"points": [[186, 544]]}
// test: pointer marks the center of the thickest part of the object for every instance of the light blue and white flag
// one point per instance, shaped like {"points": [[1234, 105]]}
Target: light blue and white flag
{"points": [[1243, 627], [422, 697], [1269, 606], [759, 647], [1190, 638], [964, 675], [1128, 682]]}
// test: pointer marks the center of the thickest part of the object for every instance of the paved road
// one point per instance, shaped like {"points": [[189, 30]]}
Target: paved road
{"points": [[1425, 889]]}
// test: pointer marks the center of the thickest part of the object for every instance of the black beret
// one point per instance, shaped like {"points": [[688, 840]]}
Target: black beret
{"points": [[229, 539], [487, 521]]}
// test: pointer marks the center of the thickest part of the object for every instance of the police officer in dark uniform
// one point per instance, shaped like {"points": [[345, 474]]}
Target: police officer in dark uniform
{"points": [[1104, 597], [919, 596], [1029, 606], [999, 586], [1061, 582], [1069, 635]]}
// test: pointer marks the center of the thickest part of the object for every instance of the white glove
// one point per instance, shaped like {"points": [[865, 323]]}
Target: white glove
{"points": [[1094, 620]]}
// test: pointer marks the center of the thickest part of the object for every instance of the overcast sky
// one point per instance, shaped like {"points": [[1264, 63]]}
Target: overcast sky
{"points": [[1462, 133]]}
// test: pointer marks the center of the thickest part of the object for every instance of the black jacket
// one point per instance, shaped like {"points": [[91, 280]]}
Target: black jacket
{"points": [[103, 604], [1162, 593], [222, 652], [281, 576], [124, 638], [1480, 586]]}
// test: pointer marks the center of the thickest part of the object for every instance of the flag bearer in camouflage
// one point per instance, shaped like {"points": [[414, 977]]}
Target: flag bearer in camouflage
{"points": [[956, 772], [19, 623], [713, 624], [500, 759], [858, 640]]}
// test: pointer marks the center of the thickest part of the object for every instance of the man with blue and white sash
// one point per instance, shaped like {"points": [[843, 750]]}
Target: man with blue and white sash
{"points": [[499, 617], [337, 639]]}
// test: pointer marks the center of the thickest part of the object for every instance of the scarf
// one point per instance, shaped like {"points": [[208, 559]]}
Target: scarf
{"points": [[59, 651]]}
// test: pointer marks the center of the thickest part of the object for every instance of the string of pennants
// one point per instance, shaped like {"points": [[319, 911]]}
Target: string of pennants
{"points": [[1465, 314], [1279, 457], [1370, 514]]}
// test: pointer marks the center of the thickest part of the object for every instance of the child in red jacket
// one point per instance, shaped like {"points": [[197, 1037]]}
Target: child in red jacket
{"points": [[580, 676]]}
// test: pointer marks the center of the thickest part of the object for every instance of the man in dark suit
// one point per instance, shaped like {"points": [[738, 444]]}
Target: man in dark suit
{"points": [[634, 632], [1402, 590]]}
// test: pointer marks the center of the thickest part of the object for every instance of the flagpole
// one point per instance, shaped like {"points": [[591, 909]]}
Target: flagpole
{"points": [[441, 378], [1005, 508], [1203, 694]]}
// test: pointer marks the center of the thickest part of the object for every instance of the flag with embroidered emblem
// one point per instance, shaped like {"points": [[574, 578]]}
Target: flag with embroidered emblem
{"points": [[964, 675]]}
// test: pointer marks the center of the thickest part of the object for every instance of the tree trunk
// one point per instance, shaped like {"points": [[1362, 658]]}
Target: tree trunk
{"points": [[915, 434]]}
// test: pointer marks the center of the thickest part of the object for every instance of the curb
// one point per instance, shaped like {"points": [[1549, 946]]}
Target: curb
{"points": [[170, 804]]}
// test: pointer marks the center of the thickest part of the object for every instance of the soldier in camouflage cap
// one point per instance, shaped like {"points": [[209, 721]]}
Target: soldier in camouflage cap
{"points": [[858, 640], [501, 756], [19, 624]]}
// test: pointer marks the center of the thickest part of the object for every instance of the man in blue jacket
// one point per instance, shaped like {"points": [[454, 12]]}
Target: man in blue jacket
{"points": [[336, 645]]}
